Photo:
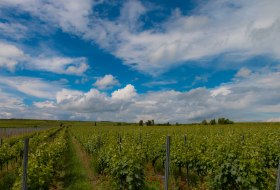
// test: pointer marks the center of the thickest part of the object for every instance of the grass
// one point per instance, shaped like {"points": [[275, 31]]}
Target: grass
{"points": [[97, 180], [75, 176]]}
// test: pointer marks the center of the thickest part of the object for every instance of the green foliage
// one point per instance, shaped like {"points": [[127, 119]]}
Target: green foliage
{"points": [[239, 156], [204, 122], [7, 181], [44, 163], [224, 121], [164, 124], [212, 122], [149, 123], [127, 171], [12, 148]]}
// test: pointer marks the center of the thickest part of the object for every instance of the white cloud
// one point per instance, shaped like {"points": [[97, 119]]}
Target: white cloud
{"points": [[66, 94], [10, 105], [69, 14], [31, 86], [240, 28], [10, 101], [46, 104], [243, 99], [60, 65], [130, 13], [90, 102], [10, 56], [243, 72], [274, 120], [126, 93], [13, 30], [220, 91], [106, 82]]}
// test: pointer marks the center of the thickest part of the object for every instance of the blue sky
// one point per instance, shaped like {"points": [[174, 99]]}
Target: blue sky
{"points": [[176, 61]]}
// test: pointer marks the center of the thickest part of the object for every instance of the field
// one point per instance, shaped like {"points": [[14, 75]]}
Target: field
{"points": [[108, 155]]}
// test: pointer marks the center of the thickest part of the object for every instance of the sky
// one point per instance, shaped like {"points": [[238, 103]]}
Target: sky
{"points": [[167, 60]]}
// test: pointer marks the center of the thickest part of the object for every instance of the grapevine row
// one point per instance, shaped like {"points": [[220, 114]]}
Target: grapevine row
{"points": [[221, 158]]}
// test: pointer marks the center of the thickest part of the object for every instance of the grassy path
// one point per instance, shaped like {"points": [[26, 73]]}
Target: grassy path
{"points": [[85, 160], [75, 175], [97, 181]]}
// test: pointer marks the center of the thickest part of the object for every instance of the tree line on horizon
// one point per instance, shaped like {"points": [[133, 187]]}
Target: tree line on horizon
{"points": [[220, 121]]}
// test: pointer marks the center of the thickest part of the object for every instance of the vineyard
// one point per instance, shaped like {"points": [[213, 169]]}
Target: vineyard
{"points": [[86, 155]]}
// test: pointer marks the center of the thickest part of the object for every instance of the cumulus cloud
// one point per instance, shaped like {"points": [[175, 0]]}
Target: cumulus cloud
{"points": [[94, 100], [245, 99], [13, 106], [66, 94], [220, 91], [126, 93], [106, 82], [242, 99]]}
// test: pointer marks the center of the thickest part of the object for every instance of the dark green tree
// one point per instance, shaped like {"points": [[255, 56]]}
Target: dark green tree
{"points": [[213, 122], [224, 121], [204, 122], [149, 123]]}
